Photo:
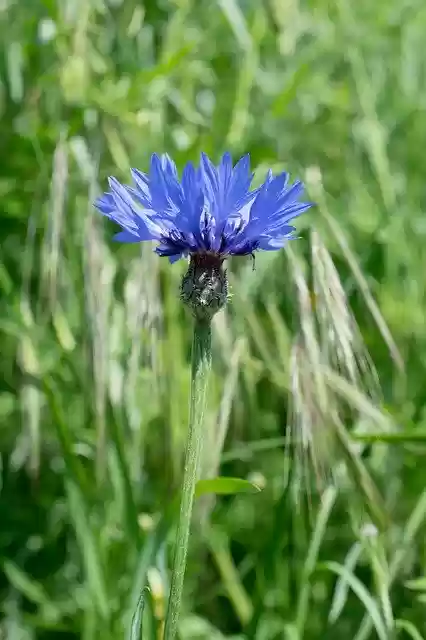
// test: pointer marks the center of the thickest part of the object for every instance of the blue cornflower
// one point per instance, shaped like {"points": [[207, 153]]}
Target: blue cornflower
{"points": [[210, 212]]}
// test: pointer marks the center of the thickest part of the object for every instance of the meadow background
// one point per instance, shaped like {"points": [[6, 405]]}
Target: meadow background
{"points": [[318, 393]]}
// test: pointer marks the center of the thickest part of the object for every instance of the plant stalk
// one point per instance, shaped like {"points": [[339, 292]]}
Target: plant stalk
{"points": [[201, 365]]}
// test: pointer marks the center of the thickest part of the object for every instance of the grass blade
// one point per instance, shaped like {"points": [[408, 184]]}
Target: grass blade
{"points": [[136, 628], [366, 598], [327, 503]]}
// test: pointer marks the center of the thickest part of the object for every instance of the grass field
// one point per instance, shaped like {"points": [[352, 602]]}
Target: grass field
{"points": [[319, 387]]}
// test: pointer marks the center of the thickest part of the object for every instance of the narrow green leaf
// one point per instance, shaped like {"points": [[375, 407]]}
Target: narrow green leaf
{"points": [[363, 594], [225, 486], [218, 541], [318, 534], [393, 437], [29, 588], [411, 529], [136, 629], [342, 587], [362, 479], [89, 548], [291, 633], [116, 147], [419, 584], [237, 22], [409, 628]]}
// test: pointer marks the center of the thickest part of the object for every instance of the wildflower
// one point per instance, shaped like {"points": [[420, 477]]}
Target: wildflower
{"points": [[210, 214]]}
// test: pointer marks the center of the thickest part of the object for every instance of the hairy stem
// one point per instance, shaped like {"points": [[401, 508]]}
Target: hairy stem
{"points": [[201, 364]]}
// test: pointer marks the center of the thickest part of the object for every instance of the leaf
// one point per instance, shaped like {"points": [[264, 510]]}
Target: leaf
{"points": [[116, 147], [291, 632], [318, 534], [419, 584], [89, 547], [136, 628], [411, 529], [409, 628], [193, 627], [225, 486], [394, 437], [342, 586], [237, 22], [363, 594], [147, 554], [231, 579], [23, 583]]}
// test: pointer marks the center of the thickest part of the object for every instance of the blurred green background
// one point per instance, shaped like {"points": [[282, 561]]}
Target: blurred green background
{"points": [[318, 391]]}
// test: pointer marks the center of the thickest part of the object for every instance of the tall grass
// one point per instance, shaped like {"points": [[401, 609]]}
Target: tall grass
{"points": [[319, 360]]}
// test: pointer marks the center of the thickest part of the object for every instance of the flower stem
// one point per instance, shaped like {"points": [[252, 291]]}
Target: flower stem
{"points": [[201, 364]]}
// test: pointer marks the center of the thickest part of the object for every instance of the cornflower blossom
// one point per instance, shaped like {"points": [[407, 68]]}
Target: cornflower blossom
{"points": [[210, 214]]}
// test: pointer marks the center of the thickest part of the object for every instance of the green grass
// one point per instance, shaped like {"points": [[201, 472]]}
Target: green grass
{"points": [[318, 390]]}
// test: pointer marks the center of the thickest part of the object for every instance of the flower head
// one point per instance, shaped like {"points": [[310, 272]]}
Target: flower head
{"points": [[210, 210], [210, 213]]}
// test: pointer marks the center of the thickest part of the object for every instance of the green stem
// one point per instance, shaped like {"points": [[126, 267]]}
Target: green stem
{"points": [[201, 364]]}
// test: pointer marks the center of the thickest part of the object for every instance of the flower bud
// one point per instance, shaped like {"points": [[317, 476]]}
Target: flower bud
{"points": [[205, 286]]}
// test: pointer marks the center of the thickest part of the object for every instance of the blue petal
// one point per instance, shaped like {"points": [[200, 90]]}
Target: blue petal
{"points": [[207, 231], [142, 192], [275, 205], [283, 217], [158, 185], [119, 206], [210, 209], [239, 189], [120, 194], [265, 203], [174, 189], [105, 204], [174, 258], [227, 192], [116, 210], [126, 236], [226, 188], [192, 201], [169, 248], [291, 194], [224, 172], [272, 244], [242, 248], [169, 166], [190, 180]]}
